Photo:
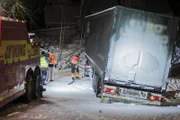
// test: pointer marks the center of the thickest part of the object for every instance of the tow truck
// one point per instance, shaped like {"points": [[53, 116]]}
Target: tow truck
{"points": [[19, 63]]}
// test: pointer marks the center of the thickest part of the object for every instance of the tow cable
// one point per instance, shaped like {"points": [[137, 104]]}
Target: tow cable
{"points": [[71, 82]]}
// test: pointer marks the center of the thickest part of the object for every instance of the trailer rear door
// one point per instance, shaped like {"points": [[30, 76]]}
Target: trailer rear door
{"points": [[142, 48]]}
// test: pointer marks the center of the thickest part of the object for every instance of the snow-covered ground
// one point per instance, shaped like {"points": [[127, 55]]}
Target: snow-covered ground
{"points": [[80, 97], [78, 102]]}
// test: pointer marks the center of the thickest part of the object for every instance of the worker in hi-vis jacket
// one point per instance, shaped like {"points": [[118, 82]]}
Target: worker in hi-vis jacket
{"points": [[75, 67]]}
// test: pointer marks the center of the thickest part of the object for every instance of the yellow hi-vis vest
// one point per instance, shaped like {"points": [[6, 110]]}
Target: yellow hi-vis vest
{"points": [[44, 63]]}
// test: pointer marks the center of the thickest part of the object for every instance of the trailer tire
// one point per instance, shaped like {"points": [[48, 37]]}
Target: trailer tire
{"points": [[99, 87], [36, 84], [94, 82], [29, 88]]}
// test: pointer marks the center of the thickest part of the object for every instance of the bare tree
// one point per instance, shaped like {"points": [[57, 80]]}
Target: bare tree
{"points": [[13, 8]]}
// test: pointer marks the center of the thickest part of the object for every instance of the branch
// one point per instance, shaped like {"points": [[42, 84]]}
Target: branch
{"points": [[13, 8]]}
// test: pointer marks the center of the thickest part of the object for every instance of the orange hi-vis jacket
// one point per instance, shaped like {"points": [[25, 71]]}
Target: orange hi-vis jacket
{"points": [[75, 60], [52, 59]]}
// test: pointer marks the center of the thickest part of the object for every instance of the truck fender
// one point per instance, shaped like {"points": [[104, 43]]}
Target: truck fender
{"points": [[29, 72]]}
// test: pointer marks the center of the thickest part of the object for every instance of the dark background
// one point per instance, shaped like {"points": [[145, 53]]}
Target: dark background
{"points": [[50, 13]]}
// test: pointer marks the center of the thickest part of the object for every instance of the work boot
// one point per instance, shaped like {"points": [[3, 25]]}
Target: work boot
{"points": [[77, 77], [72, 75], [73, 78], [44, 84]]}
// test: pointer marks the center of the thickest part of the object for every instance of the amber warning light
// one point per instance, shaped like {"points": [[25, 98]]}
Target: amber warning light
{"points": [[11, 19]]}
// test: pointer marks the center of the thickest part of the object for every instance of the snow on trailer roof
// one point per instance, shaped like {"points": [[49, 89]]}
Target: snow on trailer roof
{"points": [[11, 19], [118, 6], [97, 13]]}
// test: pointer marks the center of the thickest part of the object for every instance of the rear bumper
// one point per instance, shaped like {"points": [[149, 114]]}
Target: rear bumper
{"points": [[129, 95], [127, 99]]}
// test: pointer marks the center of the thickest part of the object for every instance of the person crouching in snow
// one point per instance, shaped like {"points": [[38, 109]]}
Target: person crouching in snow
{"points": [[75, 67]]}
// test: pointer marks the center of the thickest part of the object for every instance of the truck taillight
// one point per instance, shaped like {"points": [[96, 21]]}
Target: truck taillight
{"points": [[153, 98], [110, 91]]}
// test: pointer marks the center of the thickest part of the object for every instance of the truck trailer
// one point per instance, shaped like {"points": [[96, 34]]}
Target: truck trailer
{"points": [[20, 73], [130, 52]]}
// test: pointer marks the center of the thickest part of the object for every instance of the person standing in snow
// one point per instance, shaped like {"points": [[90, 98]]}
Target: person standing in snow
{"points": [[75, 67], [52, 63], [44, 67]]}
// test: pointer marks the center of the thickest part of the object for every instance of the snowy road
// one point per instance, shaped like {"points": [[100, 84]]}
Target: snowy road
{"points": [[78, 102]]}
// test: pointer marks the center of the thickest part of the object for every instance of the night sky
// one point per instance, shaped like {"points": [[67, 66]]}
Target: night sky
{"points": [[36, 7]]}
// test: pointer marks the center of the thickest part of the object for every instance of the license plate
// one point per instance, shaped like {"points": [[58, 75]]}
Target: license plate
{"points": [[131, 92]]}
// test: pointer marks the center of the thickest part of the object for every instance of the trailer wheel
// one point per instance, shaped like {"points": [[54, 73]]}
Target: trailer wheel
{"points": [[29, 88], [99, 87], [94, 82], [37, 93]]}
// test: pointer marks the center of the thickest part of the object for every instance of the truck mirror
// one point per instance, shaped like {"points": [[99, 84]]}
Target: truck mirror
{"points": [[31, 40]]}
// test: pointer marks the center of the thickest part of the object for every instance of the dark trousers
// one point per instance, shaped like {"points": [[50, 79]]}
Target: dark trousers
{"points": [[43, 76], [74, 69], [50, 70]]}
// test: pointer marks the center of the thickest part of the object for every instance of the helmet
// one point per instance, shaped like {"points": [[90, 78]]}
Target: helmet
{"points": [[43, 53], [50, 51]]}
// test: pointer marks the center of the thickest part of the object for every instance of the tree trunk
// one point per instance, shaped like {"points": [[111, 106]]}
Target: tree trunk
{"points": [[1, 11]]}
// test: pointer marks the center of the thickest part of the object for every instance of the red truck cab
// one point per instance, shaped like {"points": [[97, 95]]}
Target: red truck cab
{"points": [[19, 62]]}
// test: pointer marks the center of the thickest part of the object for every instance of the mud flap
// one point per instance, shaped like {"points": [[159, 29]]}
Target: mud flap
{"points": [[41, 91]]}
